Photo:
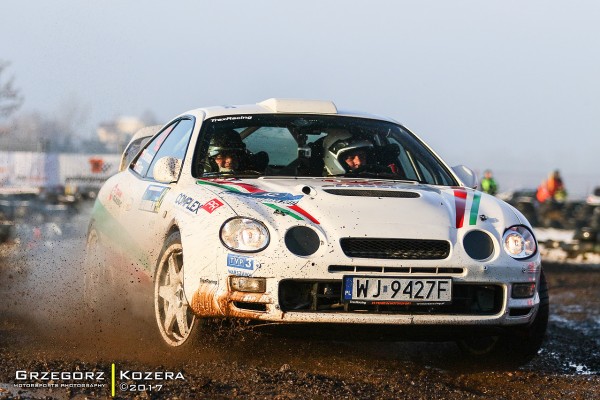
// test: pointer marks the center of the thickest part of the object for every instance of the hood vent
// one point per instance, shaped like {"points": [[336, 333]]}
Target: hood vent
{"points": [[373, 193]]}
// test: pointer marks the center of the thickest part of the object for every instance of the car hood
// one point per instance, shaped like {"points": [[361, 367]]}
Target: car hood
{"points": [[366, 207]]}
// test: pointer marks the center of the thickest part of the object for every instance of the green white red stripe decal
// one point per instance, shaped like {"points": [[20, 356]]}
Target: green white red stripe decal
{"points": [[303, 213], [240, 187], [226, 187], [461, 200], [474, 208], [283, 210]]}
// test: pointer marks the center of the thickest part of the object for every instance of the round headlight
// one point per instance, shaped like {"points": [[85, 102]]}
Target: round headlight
{"points": [[519, 242], [244, 235]]}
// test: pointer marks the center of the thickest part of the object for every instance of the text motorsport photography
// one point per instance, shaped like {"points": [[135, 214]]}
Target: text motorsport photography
{"points": [[116, 380]]}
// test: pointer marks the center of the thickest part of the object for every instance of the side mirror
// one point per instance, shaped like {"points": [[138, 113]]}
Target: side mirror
{"points": [[166, 170], [466, 176]]}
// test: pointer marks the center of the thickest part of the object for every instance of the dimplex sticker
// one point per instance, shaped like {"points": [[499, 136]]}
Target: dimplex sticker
{"points": [[188, 202]]}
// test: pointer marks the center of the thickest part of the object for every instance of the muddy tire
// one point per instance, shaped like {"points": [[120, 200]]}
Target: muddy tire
{"points": [[518, 346], [177, 324]]}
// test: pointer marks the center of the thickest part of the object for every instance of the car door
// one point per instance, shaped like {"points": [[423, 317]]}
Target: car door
{"points": [[146, 215]]}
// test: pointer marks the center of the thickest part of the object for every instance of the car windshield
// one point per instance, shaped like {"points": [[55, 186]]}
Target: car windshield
{"points": [[314, 146]]}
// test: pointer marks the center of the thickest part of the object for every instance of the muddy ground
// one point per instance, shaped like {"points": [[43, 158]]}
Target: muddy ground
{"points": [[42, 328]]}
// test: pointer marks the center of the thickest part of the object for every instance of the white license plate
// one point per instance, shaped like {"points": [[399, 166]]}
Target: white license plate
{"points": [[391, 290]]}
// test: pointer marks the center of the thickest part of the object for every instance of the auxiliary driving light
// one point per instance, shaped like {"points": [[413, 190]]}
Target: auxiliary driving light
{"points": [[523, 290], [246, 284]]}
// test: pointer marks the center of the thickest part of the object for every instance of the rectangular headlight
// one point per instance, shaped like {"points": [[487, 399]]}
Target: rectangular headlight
{"points": [[247, 284]]}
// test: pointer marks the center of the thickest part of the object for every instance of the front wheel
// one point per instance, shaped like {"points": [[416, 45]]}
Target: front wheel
{"points": [[518, 346], [176, 322]]}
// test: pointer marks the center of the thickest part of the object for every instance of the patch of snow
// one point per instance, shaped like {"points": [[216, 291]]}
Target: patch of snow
{"points": [[558, 235], [582, 369], [547, 236]]}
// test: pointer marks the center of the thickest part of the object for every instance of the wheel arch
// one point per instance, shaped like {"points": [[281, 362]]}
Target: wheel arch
{"points": [[172, 229]]}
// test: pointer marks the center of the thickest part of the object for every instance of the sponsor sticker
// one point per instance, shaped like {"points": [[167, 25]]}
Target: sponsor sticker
{"points": [[233, 118], [138, 168], [212, 205], [189, 203], [160, 140], [153, 197], [240, 262], [272, 197], [147, 156], [281, 202], [116, 195]]}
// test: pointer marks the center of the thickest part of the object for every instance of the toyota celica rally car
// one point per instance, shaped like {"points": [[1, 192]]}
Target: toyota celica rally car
{"points": [[293, 211]]}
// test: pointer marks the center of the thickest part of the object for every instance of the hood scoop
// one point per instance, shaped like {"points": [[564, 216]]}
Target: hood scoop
{"points": [[373, 193]]}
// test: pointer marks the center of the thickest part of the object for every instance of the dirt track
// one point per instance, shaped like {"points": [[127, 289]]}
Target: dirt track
{"points": [[42, 330]]}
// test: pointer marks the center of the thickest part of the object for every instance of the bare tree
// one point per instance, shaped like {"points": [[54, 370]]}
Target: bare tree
{"points": [[72, 115], [63, 129], [10, 97]]}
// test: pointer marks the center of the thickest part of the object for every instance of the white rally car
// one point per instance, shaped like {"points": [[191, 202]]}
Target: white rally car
{"points": [[294, 211]]}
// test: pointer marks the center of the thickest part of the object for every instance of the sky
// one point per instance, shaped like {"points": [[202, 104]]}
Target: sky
{"points": [[513, 86]]}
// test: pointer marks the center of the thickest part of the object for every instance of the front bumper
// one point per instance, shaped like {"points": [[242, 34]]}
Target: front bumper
{"points": [[499, 309], [481, 290]]}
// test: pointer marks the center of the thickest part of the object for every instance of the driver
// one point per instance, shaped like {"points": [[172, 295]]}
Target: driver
{"points": [[225, 152], [344, 153], [227, 161], [355, 158]]}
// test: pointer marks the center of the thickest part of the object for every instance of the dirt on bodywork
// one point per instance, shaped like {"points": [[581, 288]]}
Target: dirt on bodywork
{"points": [[43, 328]]}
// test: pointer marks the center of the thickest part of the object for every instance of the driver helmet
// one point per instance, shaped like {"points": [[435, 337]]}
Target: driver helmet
{"points": [[336, 146], [226, 143]]}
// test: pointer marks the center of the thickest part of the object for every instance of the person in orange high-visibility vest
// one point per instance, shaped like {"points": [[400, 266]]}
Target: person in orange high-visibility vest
{"points": [[551, 195], [552, 189]]}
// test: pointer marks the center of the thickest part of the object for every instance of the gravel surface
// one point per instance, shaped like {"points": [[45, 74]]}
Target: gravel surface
{"points": [[42, 328]]}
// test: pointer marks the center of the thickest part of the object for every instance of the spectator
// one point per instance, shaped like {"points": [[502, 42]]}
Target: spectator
{"points": [[551, 195], [552, 189], [488, 183]]}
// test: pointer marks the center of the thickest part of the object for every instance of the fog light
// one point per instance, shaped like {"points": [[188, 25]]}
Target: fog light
{"points": [[523, 290], [245, 284]]}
